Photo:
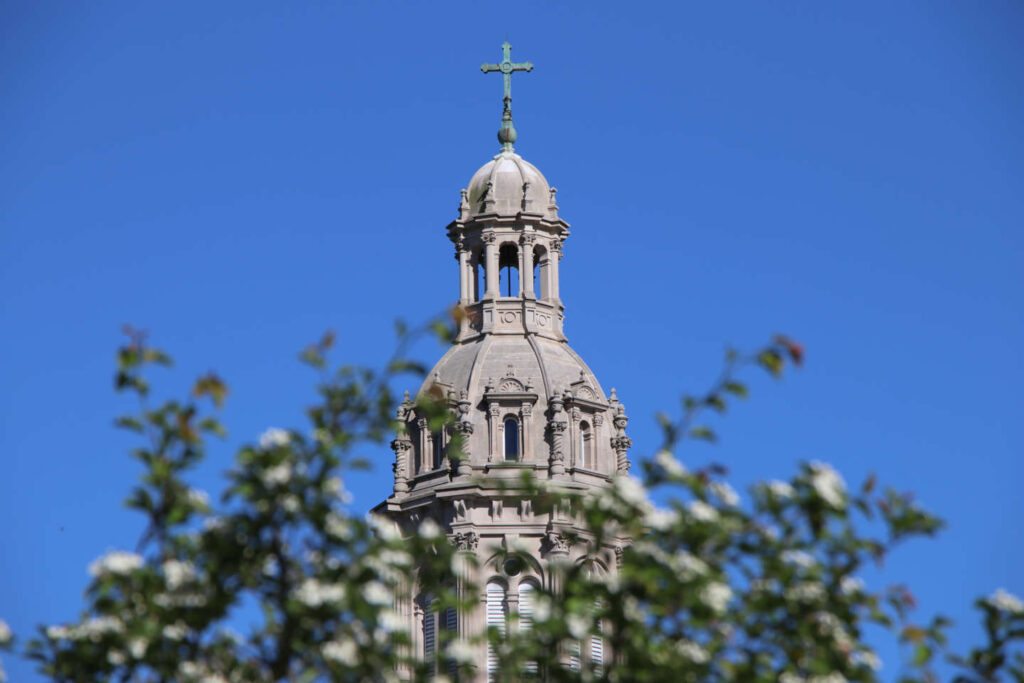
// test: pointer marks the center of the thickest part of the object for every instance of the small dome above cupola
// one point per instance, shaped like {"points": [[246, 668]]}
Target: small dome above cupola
{"points": [[506, 186]]}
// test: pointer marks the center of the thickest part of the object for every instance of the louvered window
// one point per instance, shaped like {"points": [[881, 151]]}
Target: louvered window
{"points": [[527, 596], [497, 611], [429, 634], [597, 646]]}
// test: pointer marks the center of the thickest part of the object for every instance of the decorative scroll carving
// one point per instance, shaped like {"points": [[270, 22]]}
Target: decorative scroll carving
{"points": [[489, 237], [586, 392], [466, 541], [619, 550]]}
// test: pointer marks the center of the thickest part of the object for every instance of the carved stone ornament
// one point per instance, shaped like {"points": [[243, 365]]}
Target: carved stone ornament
{"points": [[619, 550], [489, 237], [466, 541], [556, 542]]}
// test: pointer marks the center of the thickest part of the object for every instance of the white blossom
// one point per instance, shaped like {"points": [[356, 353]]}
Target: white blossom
{"points": [[338, 526], [343, 651], [660, 519], [788, 677], [851, 585], [1005, 602], [828, 484], [703, 512], [666, 461], [178, 573], [391, 621], [692, 651], [578, 625], [689, 566], [462, 652], [798, 558], [780, 489], [214, 524], [199, 499], [137, 647], [806, 591], [834, 677], [869, 659], [384, 528], [277, 475], [274, 438], [429, 529], [5, 632], [175, 631], [290, 503], [58, 632], [334, 486], [541, 608], [376, 593], [312, 593], [716, 596], [631, 490], [726, 493], [115, 657], [115, 562]]}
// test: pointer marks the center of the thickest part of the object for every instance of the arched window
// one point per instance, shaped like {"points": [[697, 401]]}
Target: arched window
{"points": [[478, 277], [437, 440], [541, 272], [587, 447], [511, 429], [497, 614], [508, 270]]}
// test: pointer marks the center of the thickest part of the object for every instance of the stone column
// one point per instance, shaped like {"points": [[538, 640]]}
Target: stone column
{"points": [[526, 448], [553, 258], [401, 446], [557, 427], [526, 266], [490, 265], [465, 276]]}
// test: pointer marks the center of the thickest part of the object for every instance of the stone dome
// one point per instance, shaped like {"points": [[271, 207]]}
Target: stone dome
{"points": [[507, 185], [546, 365]]}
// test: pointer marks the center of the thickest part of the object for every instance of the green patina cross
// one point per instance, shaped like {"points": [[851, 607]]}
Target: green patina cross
{"points": [[507, 67]]}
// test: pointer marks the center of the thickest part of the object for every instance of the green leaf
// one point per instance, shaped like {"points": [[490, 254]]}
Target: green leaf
{"points": [[771, 361], [737, 389], [703, 432]]}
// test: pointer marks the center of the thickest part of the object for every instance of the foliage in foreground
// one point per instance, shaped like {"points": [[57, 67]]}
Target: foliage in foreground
{"points": [[712, 587]]}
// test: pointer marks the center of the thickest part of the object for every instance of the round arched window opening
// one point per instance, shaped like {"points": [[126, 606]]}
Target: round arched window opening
{"points": [[513, 566]]}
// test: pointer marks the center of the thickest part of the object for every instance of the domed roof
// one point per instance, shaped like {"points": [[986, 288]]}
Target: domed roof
{"points": [[507, 185], [545, 365]]}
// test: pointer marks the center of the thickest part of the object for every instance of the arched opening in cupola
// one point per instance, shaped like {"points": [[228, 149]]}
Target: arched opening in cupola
{"points": [[477, 282], [508, 270], [511, 438], [541, 272]]}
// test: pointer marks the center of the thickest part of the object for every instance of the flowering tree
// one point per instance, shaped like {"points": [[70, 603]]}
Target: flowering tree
{"points": [[711, 586]]}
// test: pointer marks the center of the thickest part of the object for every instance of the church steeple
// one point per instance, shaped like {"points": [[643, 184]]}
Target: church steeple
{"points": [[521, 401]]}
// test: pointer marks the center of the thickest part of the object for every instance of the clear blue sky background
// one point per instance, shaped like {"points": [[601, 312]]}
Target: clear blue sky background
{"points": [[237, 178]]}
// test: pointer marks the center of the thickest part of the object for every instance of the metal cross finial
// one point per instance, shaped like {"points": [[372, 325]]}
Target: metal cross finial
{"points": [[507, 134]]}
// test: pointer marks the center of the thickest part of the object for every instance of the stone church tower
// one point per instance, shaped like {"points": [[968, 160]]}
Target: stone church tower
{"points": [[521, 398]]}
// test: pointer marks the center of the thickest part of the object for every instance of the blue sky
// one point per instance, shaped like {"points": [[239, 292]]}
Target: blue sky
{"points": [[237, 178]]}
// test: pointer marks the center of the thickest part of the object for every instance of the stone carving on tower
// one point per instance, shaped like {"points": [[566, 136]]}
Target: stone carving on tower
{"points": [[520, 398]]}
